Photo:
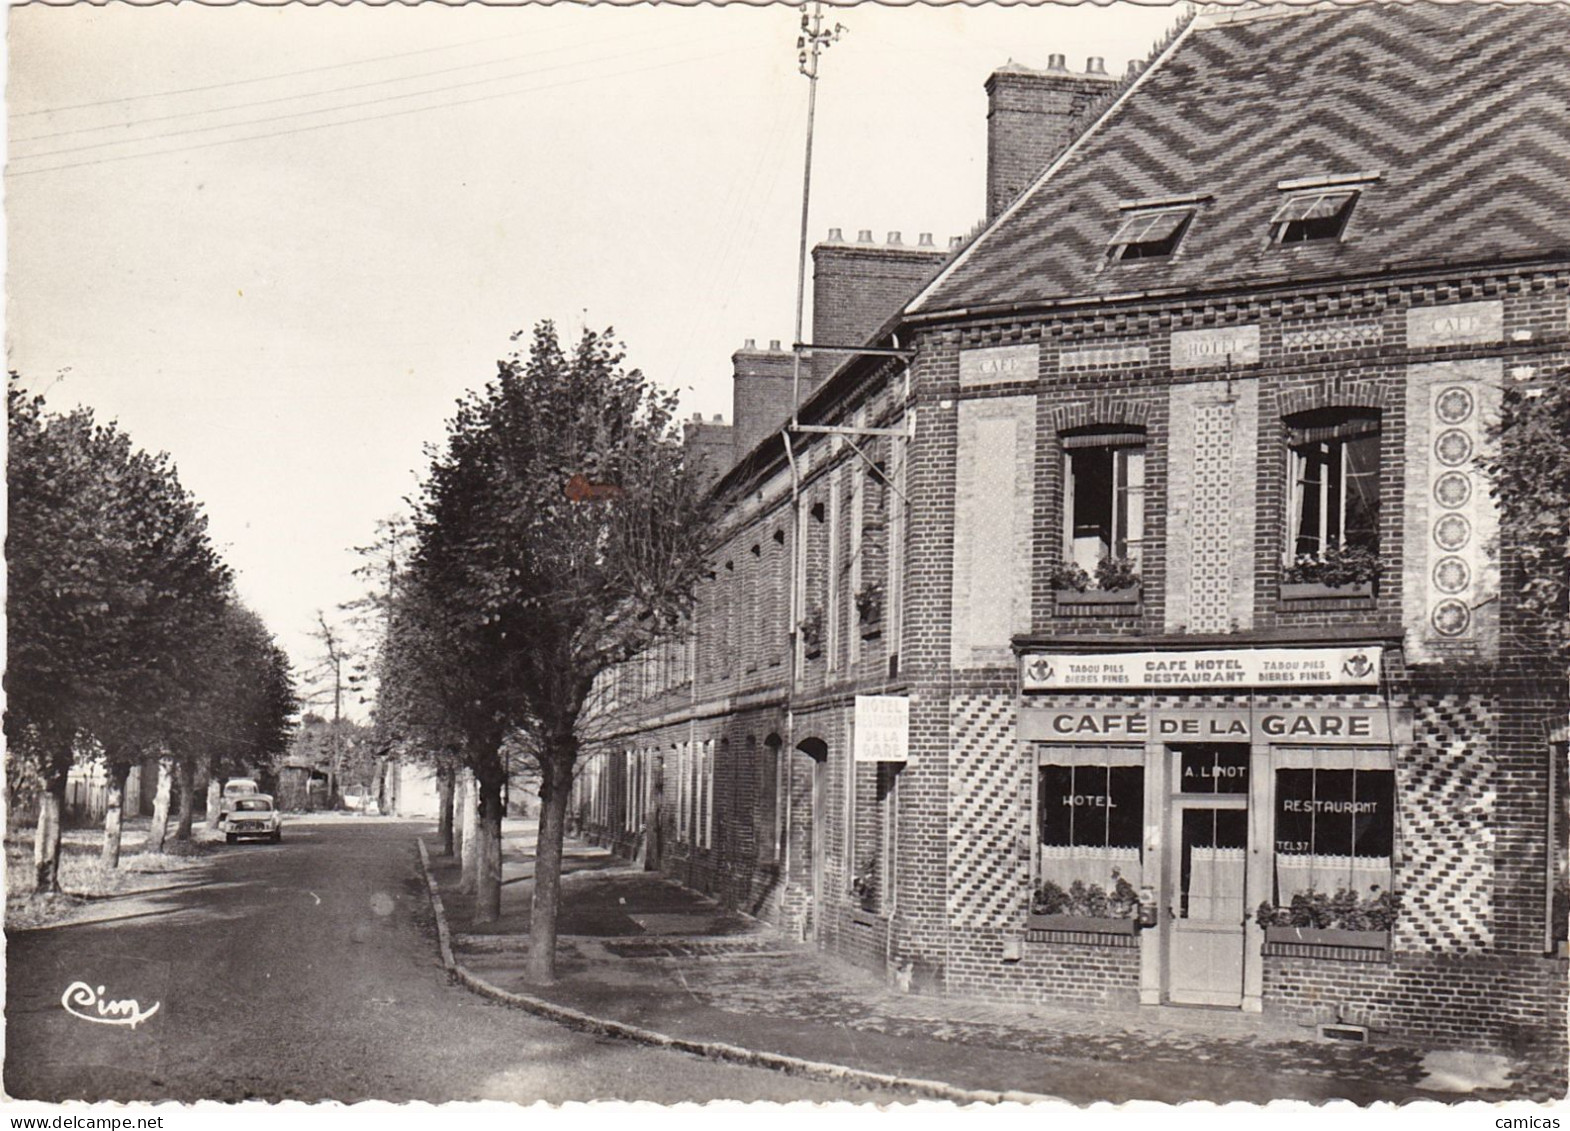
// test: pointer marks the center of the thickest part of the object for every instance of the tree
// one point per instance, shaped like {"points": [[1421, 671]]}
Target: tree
{"points": [[112, 577], [1531, 474], [558, 533]]}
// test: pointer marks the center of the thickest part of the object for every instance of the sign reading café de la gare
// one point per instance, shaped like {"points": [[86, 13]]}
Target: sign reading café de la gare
{"points": [[1213, 669], [1302, 726]]}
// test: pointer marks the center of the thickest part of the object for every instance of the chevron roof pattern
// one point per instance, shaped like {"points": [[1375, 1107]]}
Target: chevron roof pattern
{"points": [[1463, 108]]}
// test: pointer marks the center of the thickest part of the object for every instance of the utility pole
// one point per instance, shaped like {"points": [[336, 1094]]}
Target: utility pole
{"points": [[335, 660]]}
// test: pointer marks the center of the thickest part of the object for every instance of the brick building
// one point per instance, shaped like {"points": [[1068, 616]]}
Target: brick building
{"points": [[1157, 613]]}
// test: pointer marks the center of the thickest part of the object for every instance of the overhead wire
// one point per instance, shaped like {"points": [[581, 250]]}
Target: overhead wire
{"points": [[356, 120], [323, 110], [310, 94], [262, 78]]}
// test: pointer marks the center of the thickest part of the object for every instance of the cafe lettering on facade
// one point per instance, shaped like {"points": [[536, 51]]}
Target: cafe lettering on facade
{"points": [[1208, 808], [1152, 645]]}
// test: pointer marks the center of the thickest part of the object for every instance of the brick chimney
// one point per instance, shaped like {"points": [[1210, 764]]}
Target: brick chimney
{"points": [[761, 393], [1028, 117], [857, 286], [710, 445]]}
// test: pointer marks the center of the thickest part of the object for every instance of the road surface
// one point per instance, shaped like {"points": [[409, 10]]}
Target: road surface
{"points": [[307, 971]]}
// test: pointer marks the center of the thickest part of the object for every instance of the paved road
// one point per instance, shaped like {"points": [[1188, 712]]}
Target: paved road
{"points": [[308, 971]]}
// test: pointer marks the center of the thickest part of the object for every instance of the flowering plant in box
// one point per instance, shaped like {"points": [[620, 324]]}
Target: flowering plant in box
{"points": [[1088, 900], [1346, 910], [1335, 567]]}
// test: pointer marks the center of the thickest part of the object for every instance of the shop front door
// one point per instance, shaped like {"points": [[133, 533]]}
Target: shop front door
{"points": [[1208, 902]]}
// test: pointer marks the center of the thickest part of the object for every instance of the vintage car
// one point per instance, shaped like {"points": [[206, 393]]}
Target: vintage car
{"points": [[235, 787], [252, 815]]}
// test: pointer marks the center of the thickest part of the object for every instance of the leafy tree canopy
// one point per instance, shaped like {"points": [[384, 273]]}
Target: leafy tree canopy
{"points": [[1531, 473]]}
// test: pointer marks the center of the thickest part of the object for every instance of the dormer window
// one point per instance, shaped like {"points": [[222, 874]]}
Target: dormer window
{"points": [[1319, 215], [1149, 234]]}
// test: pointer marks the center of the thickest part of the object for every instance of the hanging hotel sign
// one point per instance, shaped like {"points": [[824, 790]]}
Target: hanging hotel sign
{"points": [[882, 729], [1213, 669]]}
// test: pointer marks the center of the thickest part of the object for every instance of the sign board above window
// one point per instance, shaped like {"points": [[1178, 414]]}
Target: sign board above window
{"points": [[1204, 728], [1212, 668], [998, 365], [882, 729], [1215, 348]]}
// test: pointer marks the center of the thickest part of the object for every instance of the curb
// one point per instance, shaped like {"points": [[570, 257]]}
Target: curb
{"points": [[711, 1050]]}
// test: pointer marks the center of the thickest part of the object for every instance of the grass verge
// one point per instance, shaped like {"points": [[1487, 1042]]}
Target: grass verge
{"points": [[83, 878]]}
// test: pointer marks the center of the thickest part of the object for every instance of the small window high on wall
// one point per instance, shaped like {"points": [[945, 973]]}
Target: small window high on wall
{"points": [[1104, 497], [1334, 481], [1090, 806]]}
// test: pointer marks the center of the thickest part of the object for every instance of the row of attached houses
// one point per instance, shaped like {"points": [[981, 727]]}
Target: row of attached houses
{"points": [[1126, 624]]}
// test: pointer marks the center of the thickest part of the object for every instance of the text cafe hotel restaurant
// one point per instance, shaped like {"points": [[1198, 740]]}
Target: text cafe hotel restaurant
{"points": [[1205, 783]]}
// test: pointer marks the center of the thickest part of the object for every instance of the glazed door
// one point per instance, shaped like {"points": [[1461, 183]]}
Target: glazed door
{"points": [[1209, 901]]}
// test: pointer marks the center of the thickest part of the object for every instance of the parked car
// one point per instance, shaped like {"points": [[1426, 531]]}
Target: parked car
{"points": [[235, 787], [252, 816]]}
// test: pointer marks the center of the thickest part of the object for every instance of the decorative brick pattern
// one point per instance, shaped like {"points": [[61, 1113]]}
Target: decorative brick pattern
{"points": [[1211, 577], [988, 810], [1451, 562], [1104, 357], [1446, 796], [1333, 336]]}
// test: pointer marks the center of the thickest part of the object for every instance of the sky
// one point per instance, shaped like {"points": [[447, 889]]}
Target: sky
{"points": [[280, 242]]}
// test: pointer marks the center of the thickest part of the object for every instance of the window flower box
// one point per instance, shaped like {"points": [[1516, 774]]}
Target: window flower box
{"points": [[1318, 590], [1086, 924], [1338, 571], [862, 917], [1115, 584], [1128, 596], [1329, 936]]}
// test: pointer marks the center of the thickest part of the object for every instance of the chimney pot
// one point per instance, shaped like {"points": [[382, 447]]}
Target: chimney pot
{"points": [[1057, 62], [894, 240], [924, 240], [750, 344], [955, 241], [1133, 66], [864, 235], [697, 418], [719, 417], [836, 235], [1095, 65], [774, 344]]}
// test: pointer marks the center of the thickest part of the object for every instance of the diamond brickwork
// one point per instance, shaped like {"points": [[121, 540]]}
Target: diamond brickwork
{"points": [[1334, 336], [1210, 581], [1447, 800], [988, 814]]}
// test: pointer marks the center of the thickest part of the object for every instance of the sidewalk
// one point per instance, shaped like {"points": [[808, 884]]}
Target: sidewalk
{"points": [[640, 949]]}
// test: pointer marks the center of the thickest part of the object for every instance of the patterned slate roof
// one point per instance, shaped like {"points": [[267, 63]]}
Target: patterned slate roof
{"points": [[1463, 108]]}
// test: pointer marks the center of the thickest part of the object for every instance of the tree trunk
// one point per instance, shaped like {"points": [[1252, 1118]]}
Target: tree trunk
{"points": [[159, 830], [555, 790], [114, 809], [471, 839], [215, 795], [46, 838], [488, 849], [444, 777], [187, 800]]}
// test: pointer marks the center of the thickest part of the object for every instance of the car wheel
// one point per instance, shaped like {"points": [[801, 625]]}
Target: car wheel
{"points": [[230, 837], [277, 835]]}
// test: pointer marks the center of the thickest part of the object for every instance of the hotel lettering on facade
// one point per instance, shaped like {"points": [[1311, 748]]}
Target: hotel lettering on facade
{"points": [[1161, 592]]}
